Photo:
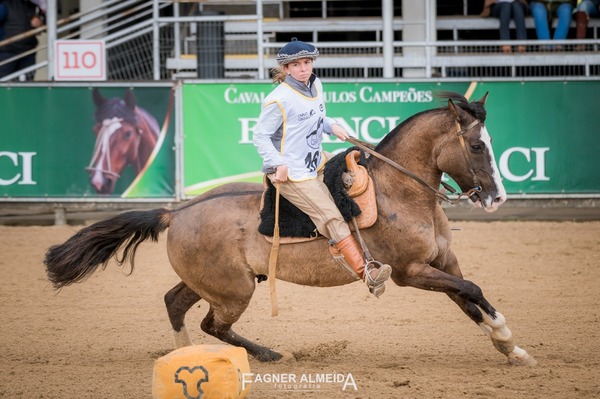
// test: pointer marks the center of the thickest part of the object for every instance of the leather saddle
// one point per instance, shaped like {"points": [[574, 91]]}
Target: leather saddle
{"points": [[351, 188]]}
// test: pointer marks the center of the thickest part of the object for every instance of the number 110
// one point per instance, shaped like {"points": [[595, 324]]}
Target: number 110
{"points": [[75, 60]]}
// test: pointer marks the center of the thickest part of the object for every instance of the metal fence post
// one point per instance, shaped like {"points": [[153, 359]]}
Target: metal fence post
{"points": [[51, 26], [155, 41]]}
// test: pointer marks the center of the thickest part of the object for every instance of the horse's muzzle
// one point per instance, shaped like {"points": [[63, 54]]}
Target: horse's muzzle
{"points": [[489, 203]]}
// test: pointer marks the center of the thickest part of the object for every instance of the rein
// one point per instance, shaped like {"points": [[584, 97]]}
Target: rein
{"points": [[460, 132]]}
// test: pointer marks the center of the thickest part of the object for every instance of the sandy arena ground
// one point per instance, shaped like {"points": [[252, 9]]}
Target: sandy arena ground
{"points": [[99, 339]]}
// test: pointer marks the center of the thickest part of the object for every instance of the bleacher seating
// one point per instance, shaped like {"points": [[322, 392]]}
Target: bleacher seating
{"points": [[365, 57], [463, 22]]}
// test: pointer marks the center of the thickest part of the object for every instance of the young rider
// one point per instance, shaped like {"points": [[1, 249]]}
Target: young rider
{"points": [[288, 137]]}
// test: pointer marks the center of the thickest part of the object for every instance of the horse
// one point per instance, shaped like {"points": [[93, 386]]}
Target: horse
{"points": [[214, 247], [125, 135]]}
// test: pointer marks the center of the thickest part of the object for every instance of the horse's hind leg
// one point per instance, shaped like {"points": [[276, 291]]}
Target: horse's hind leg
{"points": [[215, 325], [178, 301], [489, 319]]}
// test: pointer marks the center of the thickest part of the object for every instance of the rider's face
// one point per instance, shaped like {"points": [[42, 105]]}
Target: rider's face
{"points": [[300, 69]]}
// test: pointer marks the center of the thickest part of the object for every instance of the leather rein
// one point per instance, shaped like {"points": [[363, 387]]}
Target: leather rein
{"points": [[367, 147]]}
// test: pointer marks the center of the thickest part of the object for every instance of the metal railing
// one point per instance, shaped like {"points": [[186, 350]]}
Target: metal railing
{"points": [[125, 26], [153, 41]]}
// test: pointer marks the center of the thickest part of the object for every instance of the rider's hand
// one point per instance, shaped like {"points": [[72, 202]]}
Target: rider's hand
{"points": [[281, 175], [339, 132]]}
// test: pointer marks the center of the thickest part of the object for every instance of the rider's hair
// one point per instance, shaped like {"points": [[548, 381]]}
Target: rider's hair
{"points": [[278, 74]]}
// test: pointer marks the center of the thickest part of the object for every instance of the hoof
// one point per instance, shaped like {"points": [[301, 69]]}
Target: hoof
{"points": [[286, 357], [519, 357], [268, 355]]}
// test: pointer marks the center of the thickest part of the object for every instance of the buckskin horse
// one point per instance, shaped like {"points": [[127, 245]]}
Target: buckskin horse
{"points": [[125, 135], [219, 255]]}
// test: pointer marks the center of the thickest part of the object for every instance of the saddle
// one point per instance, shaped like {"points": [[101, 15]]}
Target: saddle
{"points": [[361, 189], [350, 186]]}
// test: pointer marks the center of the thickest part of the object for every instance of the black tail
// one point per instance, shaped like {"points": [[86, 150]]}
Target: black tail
{"points": [[94, 245]]}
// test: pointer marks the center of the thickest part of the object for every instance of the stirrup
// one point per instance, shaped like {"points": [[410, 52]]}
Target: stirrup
{"points": [[377, 290], [385, 271]]}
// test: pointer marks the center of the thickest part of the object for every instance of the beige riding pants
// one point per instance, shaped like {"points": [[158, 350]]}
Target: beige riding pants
{"points": [[313, 198]]}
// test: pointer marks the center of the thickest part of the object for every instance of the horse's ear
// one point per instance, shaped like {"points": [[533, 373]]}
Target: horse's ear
{"points": [[455, 110], [130, 100], [97, 97], [483, 99]]}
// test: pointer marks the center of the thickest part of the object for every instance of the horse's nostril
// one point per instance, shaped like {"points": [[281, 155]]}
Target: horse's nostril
{"points": [[500, 199]]}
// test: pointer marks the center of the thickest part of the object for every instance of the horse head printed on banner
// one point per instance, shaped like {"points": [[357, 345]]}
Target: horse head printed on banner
{"points": [[125, 135]]}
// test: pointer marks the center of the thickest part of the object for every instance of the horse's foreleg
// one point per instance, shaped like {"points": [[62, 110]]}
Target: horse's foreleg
{"points": [[493, 325], [426, 277], [449, 264], [501, 337], [178, 301]]}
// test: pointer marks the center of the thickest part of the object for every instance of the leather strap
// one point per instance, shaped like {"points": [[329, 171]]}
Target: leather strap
{"points": [[370, 149]]}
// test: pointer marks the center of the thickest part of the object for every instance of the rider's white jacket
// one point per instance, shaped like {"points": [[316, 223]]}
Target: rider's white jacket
{"points": [[290, 129]]}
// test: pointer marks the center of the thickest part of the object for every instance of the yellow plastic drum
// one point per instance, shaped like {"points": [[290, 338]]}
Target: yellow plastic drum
{"points": [[201, 372]]}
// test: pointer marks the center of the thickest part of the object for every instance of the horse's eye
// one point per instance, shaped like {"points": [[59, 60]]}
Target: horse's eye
{"points": [[127, 134], [477, 147]]}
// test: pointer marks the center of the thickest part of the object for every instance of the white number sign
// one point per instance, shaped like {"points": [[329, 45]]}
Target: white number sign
{"points": [[80, 60]]}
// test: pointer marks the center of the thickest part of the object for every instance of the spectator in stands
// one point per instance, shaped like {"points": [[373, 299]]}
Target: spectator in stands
{"points": [[584, 10], [544, 10], [2, 17], [20, 17], [505, 10]]}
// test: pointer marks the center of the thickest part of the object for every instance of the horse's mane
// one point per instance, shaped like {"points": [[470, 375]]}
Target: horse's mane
{"points": [[115, 107], [475, 108]]}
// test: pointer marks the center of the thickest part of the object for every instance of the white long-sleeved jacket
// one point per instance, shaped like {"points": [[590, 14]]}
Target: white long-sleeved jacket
{"points": [[290, 129]]}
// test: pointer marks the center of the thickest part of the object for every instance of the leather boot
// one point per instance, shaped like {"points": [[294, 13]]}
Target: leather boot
{"points": [[581, 23], [353, 255], [375, 277]]}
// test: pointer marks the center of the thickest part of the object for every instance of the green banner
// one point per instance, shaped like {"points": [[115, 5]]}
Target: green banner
{"points": [[544, 133], [70, 142]]}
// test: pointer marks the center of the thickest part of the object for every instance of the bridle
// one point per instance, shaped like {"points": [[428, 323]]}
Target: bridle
{"points": [[102, 147], [461, 139], [367, 147]]}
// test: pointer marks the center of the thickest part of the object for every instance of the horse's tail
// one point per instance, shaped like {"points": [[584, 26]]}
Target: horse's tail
{"points": [[80, 255]]}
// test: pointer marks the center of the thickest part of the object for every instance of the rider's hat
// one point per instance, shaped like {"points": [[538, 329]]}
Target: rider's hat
{"points": [[296, 50]]}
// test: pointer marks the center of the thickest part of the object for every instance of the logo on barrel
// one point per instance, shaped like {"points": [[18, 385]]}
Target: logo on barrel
{"points": [[191, 377]]}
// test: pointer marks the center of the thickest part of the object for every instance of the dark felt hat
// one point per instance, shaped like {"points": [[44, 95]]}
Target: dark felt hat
{"points": [[296, 50]]}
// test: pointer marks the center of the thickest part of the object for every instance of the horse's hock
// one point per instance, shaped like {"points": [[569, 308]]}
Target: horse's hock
{"points": [[202, 371]]}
